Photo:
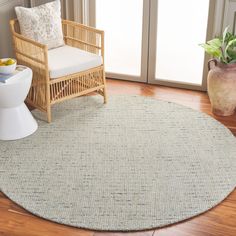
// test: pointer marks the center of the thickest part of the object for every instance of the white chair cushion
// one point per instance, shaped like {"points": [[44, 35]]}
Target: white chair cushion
{"points": [[68, 60]]}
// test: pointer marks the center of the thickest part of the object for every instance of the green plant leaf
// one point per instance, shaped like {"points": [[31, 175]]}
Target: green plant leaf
{"points": [[232, 43], [215, 43], [213, 51], [229, 37], [230, 51], [225, 34], [233, 61], [223, 48]]}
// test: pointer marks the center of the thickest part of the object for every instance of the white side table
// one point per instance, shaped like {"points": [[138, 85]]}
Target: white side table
{"points": [[16, 121]]}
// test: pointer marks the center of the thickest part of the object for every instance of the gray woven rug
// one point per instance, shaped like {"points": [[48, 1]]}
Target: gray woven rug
{"points": [[133, 164]]}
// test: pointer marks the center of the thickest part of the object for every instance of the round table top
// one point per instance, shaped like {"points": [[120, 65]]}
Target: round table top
{"points": [[21, 74]]}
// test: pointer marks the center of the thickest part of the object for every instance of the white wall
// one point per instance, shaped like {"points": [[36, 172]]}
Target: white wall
{"points": [[7, 13]]}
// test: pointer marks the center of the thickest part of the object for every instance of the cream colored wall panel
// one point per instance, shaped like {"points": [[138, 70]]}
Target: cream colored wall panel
{"points": [[218, 18], [67, 7], [78, 11], [6, 13], [230, 15], [35, 3]]}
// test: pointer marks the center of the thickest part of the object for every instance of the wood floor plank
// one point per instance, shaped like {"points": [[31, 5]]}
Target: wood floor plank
{"points": [[13, 224], [220, 221], [145, 233], [7, 204]]}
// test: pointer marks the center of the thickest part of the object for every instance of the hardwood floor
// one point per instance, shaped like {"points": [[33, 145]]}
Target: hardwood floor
{"points": [[220, 221]]}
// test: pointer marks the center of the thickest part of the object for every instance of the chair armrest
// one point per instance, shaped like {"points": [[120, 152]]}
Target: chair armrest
{"points": [[29, 48], [32, 54], [76, 24], [84, 37]]}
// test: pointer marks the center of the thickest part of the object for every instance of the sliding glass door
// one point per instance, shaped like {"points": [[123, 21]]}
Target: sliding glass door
{"points": [[155, 41], [126, 37], [177, 29]]}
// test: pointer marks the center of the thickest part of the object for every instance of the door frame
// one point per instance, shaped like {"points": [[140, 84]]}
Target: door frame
{"points": [[144, 44], [214, 25], [153, 44]]}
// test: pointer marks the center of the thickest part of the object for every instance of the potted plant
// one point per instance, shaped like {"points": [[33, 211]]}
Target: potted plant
{"points": [[221, 81]]}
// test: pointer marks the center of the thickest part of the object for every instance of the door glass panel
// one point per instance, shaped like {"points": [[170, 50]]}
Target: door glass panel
{"points": [[181, 26], [122, 22]]}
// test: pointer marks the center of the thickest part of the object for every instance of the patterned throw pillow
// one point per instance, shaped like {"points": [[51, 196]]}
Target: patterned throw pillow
{"points": [[42, 23]]}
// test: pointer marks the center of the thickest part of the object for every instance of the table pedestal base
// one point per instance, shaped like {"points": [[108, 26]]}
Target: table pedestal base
{"points": [[16, 122]]}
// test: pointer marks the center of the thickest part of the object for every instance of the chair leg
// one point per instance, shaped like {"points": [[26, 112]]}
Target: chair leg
{"points": [[48, 100], [105, 88], [105, 94], [49, 115]]}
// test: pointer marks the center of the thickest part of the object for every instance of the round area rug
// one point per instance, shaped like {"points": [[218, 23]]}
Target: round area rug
{"points": [[132, 164]]}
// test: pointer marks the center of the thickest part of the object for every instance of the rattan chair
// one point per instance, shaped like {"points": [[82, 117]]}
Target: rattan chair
{"points": [[46, 91]]}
